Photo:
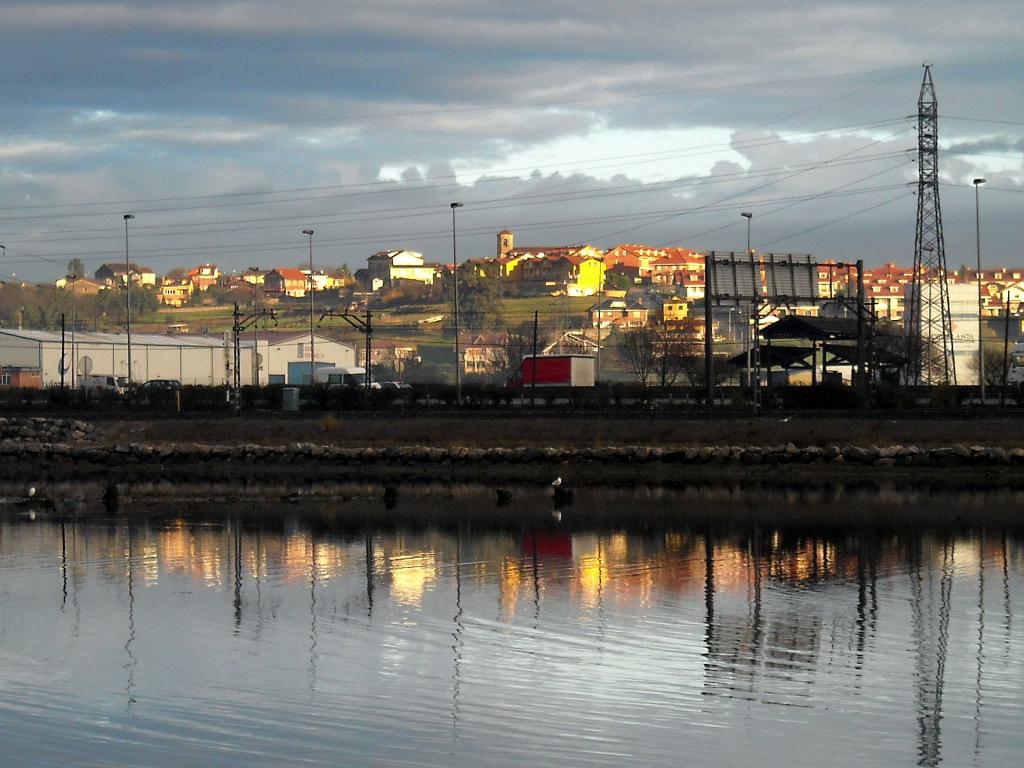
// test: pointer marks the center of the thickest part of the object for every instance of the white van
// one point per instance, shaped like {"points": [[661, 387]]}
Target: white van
{"points": [[115, 384], [343, 377]]}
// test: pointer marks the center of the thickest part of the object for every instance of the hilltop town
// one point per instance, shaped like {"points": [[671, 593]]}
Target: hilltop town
{"points": [[585, 299]]}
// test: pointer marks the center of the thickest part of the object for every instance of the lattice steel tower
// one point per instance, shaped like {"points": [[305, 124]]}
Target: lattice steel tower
{"points": [[929, 329]]}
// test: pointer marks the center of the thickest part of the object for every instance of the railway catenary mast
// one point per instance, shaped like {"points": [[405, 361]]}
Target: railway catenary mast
{"points": [[929, 329]]}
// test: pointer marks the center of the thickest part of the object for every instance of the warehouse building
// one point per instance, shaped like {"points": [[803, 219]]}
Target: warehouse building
{"points": [[269, 357]]}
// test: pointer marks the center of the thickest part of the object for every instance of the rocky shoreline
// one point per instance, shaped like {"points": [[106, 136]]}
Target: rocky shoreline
{"points": [[69, 448], [83, 456]]}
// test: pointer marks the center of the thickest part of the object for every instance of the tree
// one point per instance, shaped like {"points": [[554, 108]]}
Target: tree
{"points": [[76, 268], [639, 347], [479, 301], [616, 281], [674, 347], [517, 346], [659, 352], [994, 362]]}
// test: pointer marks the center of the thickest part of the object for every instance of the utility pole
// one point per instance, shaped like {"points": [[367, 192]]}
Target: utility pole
{"points": [[74, 360], [63, 365], [312, 343], [368, 352], [981, 302], [1006, 347], [929, 327], [862, 379], [533, 385], [600, 300], [455, 279], [709, 341], [128, 294], [364, 327]]}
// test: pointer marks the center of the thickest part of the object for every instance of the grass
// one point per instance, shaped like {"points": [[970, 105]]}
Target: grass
{"points": [[355, 430]]}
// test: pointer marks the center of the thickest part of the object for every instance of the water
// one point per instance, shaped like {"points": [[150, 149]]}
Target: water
{"points": [[705, 626]]}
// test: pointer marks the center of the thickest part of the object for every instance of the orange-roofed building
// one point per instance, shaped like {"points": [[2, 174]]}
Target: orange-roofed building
{"points": [[203, 276], [884, 288], [286, 281]]}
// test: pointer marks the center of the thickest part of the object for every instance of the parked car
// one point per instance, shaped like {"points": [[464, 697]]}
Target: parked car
{"points": [[115, 384], [161, 385]]}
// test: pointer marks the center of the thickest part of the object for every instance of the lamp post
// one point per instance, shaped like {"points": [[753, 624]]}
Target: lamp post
{"points": [[312, 343], [128, 294], [455, 279], [255, 329], [746, 342], [981, 322], [73, 277]]}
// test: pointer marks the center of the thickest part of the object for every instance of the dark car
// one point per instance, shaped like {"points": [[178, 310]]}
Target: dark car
{"points": [[161, 385]]}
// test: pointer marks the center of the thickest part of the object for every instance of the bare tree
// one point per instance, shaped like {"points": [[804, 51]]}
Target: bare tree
{"points": [[639, 347], [674, 346], [517, 346]]}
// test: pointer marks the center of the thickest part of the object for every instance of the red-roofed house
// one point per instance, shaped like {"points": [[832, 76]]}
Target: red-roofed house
{"points": [[203, 276], [285, 281]]}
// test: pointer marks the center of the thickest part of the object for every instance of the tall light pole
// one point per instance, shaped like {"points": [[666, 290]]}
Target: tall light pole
{"points": [[312, 343], [74, 279], [128, 294], [255, 329], [748, 216], [455, 279], [981, 322]]}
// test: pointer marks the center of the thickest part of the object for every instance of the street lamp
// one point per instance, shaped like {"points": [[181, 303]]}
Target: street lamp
{"points": [[312, 344], [128, 294], [977, 241], [455, 278], [255, 329], [748, 216], [73, 277]]}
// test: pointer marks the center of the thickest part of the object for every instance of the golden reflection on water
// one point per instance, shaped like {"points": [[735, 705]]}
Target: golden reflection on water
{"points": [[591, 568]]}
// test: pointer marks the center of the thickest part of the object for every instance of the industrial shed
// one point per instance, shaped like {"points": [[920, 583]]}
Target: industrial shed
{"points": [[280, 357]]}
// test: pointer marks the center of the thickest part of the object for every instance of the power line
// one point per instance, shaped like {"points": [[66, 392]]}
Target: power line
{"points": [[434, 234], [379, 214], [390, 186], [500, 106]]}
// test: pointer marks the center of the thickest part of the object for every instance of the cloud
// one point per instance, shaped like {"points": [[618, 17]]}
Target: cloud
{"points": [[567, 121]]}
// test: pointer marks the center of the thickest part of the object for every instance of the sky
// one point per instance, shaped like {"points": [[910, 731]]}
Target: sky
{"points": [[227, 128]]}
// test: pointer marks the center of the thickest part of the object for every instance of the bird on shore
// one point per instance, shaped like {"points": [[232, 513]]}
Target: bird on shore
{"points": [[390, 497], [561, 494], [504, 497], [32, 492]]}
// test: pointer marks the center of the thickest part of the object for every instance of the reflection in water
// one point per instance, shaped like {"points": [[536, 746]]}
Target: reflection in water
{"points": [[600, 639]]}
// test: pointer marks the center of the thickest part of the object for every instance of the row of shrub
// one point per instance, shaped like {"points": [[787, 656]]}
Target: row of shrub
{"points": [[486, 396]]}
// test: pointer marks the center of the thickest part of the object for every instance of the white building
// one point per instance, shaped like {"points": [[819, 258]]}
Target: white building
{"points": [[963, 313], [280, 357], [390, 266], [283, 356]]}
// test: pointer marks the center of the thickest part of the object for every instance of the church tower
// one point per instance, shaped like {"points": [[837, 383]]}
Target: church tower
{"points": [[506, 242]]}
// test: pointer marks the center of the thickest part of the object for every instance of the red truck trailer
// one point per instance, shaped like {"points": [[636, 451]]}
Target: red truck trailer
{"points": [[555, 371]]}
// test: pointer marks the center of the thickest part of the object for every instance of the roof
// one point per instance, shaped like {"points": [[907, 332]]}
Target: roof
{"points": [[290, 273], [117, 339], [777, 357], [284, 337], [119, 269], [812, 328]]}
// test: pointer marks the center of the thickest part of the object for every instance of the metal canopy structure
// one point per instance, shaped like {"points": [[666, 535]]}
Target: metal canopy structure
{"points": [[762, 281]]}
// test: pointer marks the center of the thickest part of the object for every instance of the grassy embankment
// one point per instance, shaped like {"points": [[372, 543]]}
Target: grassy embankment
{"points": [[400, 322], [358, 431]]}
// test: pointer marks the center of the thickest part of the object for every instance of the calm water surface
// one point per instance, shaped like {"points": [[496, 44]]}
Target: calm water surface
{"points": [[712, 627]]}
